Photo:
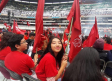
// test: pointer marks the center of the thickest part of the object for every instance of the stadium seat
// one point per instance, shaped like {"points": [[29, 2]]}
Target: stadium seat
{"points": [[102, 65], [12, 74], [108, 64], [29, 78]]}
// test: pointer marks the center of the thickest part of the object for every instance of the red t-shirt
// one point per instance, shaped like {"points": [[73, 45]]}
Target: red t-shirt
{"points": [[84, 44], [107, 47], [46, 67], [19, 62], [4, 52], [25, 37]]}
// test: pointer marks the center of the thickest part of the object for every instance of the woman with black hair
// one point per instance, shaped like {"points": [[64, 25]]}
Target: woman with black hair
{"points": [[85, 67], [51, 65], [4, 50]]}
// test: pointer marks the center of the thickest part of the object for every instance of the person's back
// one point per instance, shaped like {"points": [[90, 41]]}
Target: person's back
{"points": [[4, 51], [99, 46], [108, 70], [17, 61], [4, 48], [84, 67], [107, 45], [103, 55]]}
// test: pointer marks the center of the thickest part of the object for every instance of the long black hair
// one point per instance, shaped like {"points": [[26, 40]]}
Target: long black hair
{"points": [[4, 40], [48, 49], [85, 67]]}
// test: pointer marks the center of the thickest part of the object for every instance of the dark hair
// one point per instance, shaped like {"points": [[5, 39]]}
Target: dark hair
{"points": [[84, 67], [15, 39], [4, 40], [48, 49], [83, 39], [86, 37], [26, 33], [31, 34], [108, 40]]}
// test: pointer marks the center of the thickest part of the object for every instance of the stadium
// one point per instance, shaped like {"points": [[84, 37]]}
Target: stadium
{"points": [[59, 40], [55, 14]]}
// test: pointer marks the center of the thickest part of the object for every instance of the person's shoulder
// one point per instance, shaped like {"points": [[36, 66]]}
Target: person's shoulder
{"points": [[25, 56], [49, 57]]}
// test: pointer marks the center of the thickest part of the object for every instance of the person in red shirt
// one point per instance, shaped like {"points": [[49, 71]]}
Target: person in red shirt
{"points": [[107, 45], [84, 42], [26, 36], [16, 60], [40, 52], [4, 50], [84, 67], [52, 63]]}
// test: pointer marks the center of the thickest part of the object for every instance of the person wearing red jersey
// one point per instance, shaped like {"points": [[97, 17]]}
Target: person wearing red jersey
{"points": [[26, 36], [4, 50], [52, 63], [16, 60], [107, 45]]}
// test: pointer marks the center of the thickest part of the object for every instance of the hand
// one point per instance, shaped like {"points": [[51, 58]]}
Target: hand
{"points": [[64, 63], [65, 57], [62, 41], [35, 58], [35, 62]]}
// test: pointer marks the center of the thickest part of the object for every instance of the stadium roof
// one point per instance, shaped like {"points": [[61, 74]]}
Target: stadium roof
{"points": [[54, 1], [48, 1]]}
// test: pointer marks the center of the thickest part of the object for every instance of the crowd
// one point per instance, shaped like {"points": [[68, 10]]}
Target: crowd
{"points": [[50, 61], [57, 10]]}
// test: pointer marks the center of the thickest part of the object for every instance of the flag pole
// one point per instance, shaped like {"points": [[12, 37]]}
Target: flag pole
{"points": [[64, 30], [69, 35], [63, 34], [36, 50]]}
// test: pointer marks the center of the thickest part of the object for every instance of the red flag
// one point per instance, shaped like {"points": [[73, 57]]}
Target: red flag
{"points": [[75, 41], [53, 28], [45, 33], [28, 23], [16, 29], [2, 4], [8, 27], [105, 35], [66, 30], [54, 34], [39, 24], [93, 35], [65, 37], [5, 24], [58, 35]]}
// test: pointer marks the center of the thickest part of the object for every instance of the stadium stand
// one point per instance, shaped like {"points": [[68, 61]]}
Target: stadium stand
{"points": [[55, 14]]}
